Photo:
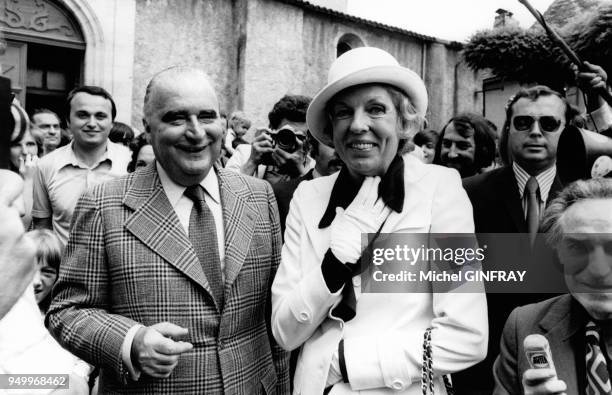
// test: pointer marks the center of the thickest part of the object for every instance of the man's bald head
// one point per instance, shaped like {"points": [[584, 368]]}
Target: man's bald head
{"points": [[168, 78]]}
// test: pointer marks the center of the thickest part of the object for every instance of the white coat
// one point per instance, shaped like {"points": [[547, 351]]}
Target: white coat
{"points": [[384, 342]]}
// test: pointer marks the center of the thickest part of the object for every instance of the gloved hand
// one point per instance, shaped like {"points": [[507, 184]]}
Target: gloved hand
{"points": [[365, 214]]}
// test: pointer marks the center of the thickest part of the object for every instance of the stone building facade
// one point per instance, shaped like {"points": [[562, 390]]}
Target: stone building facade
{"points": [[255, 50]]}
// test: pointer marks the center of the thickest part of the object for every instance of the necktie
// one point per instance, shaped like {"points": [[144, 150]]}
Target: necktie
{"points": [[533, 207], [598, 377], [203, 237]]}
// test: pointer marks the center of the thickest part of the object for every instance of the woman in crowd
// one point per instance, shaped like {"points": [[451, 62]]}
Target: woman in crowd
{"points": [[427, 140], [23, 157], [142, 152], [351, 340]]}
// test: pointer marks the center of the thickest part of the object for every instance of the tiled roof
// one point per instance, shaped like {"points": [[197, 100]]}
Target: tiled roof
{"points": [[351, 18]]}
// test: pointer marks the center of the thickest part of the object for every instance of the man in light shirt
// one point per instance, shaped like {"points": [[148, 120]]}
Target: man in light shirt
{"points": [[167, 273], [64, 174]]}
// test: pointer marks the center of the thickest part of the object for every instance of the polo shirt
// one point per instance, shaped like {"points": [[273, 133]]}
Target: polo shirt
{"points": [[60, 179]]}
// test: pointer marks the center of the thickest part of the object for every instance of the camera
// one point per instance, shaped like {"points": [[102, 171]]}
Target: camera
{"points": [[285, 139]]}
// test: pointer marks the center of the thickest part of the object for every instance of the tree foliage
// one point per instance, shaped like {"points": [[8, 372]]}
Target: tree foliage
{"points": [[530, 56]]}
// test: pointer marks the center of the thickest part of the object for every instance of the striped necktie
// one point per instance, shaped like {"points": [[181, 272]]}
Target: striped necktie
{"points": [[598, 377]]}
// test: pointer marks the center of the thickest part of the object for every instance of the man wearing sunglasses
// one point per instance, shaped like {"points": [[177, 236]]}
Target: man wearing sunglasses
{"points": [[578, 325], [279, 153], [511, 199]]}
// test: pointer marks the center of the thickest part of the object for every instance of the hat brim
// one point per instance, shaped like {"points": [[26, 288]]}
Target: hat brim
{"points": [[402, 78]]}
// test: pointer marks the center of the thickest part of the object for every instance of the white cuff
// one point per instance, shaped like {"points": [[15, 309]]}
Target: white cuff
{"points": [[602, 117], [126, 349]]}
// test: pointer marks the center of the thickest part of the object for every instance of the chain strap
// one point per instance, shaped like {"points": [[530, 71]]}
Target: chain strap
{"points": [[427, 380]]}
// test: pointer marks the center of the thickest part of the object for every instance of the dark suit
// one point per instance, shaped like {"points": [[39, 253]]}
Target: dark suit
{"points": [[283, 191], [498, 208], [561, 320], [130, 261], [497, 202]]}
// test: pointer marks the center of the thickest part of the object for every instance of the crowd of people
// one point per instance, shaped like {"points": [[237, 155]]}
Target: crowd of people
{"points": [[207, 254]]}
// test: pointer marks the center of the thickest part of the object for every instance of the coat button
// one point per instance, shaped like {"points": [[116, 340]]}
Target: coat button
{"points": [[398, 385], [304, 316]]}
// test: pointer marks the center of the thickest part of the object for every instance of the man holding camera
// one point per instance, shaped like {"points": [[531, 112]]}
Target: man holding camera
{"points": [[279, 153]]}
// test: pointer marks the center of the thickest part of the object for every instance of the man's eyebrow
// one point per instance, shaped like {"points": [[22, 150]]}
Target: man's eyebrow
{"points": [[173, 114], [208, 113]]}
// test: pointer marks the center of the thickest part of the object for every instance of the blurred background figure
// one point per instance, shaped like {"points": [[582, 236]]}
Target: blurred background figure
{"points": [[48, 256], [466, 143], [238, 125], [121, 133], [24, 158], [427, 140], [142, 152], [47, 131]]}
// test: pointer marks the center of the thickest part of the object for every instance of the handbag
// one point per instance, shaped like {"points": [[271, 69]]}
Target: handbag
{"points": [[427, 379]]}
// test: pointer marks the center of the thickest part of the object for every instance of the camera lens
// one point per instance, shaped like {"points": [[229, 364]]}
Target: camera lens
{"points": [[286, 140]]}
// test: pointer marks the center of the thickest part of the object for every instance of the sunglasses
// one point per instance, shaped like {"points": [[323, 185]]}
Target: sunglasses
{"points": [[524, 123]]}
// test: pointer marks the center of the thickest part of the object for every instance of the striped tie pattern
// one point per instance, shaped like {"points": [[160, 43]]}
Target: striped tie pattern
{"points": [[598, 377]]}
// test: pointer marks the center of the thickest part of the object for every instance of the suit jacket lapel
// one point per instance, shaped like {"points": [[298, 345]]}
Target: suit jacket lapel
{"points": [[559, 326], [555, 188], [239, 223], [512, 200], [155, 224]]}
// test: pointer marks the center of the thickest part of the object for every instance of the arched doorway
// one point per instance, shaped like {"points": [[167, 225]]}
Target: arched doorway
{"points": [[44, 54], [347, 42]]}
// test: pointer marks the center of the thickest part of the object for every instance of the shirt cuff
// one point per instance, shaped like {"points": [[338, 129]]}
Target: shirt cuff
{"points": [[602, 117], [126, 349]]}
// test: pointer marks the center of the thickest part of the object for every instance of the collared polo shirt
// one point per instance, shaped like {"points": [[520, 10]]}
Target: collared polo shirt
{"points": [[60, 180]]}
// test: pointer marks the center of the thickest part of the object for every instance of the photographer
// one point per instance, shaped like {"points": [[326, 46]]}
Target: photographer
{"points": [[280, 152]]}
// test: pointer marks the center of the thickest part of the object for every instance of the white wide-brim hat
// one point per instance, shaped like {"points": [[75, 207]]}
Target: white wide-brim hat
{"points": [[359, 66]]}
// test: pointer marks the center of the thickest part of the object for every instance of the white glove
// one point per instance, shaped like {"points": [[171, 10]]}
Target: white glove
{"points": [[365, 214]]}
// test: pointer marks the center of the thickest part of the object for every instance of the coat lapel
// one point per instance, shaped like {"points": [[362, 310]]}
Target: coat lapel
{"points": [[155, 224], [512, 200], [559, 326], [239, 224]]}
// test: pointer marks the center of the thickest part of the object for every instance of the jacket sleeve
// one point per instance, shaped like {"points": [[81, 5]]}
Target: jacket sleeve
{"points": [[459, 325], [300, 297], [78, 316], [505, 368], [280, 356]]}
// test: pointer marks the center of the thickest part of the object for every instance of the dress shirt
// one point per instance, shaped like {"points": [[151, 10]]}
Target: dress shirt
{"points": [[182, 207], [545, 181]]}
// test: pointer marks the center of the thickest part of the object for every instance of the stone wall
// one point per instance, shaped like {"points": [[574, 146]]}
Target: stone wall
{"points": [[185, 32], [256, 51]]}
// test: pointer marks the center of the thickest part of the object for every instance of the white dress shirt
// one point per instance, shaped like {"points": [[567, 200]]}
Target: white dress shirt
{"points": [[182, 206]]}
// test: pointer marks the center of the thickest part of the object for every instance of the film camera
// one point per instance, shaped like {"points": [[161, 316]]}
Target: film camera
{"points": [[286, 139]]}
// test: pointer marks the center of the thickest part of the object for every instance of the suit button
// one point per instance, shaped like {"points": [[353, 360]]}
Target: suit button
{"points": [[357, 281], [304, 316], [398, 385]]}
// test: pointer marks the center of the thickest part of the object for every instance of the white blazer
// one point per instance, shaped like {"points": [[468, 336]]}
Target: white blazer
{"points": [[383, 344]]}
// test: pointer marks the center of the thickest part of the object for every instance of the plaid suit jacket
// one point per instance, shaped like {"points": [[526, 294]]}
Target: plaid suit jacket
{"points": [[129, 261]]}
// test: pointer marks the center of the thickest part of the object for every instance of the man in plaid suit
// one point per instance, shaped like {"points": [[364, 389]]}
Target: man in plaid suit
{"points": [[134, 298]]}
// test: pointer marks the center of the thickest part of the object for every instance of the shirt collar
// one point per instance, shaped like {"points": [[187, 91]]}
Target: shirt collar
{"points": [[545, 180], [174, 191], [391, 190], [70, 157]]}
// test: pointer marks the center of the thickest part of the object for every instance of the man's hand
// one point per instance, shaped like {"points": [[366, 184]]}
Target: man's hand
{"points": [[291, 163], [591, 80], [261, 145], [542, 382], [17, 253], [155, 352]]}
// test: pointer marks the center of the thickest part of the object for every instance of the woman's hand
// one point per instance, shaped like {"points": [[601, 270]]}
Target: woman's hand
{"points": [[364, 215], [27, 165]]}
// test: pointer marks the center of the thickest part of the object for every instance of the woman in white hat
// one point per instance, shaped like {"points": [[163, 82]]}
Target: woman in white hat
{"points": [[372, 342]]}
